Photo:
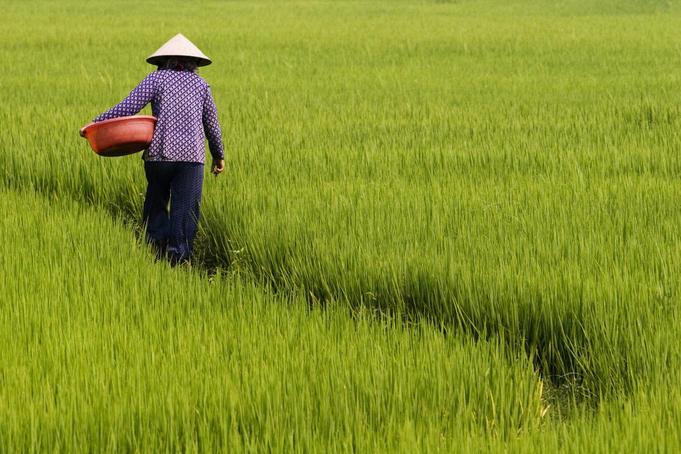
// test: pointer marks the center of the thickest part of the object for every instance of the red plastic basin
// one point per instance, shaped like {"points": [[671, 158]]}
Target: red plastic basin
{"points": [[120, 136]]}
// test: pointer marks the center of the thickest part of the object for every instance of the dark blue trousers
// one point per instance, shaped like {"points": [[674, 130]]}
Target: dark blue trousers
{"points": [[172, 230]]}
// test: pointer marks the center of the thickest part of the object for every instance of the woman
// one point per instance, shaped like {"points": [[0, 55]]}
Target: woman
{"points": [[186, 115]]}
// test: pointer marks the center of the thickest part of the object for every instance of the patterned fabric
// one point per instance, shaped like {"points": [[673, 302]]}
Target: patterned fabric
{"points": [[172, 234], [183, 105]]}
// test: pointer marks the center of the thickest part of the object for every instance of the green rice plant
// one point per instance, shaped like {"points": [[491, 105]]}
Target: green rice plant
{"points": [[502, 169], [105, 350]]}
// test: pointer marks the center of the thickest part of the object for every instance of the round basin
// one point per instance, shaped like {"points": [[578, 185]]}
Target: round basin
{"points": [[120, 136]]}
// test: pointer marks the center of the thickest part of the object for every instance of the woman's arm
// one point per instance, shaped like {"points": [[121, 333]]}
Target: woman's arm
{"points": [[211, 127], [139, 97]]}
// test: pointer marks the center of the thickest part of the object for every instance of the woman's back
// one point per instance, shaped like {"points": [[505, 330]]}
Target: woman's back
{"points": [[185, 111]]}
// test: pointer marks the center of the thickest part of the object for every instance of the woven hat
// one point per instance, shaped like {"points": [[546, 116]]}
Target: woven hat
{"points": [[178, 46]]}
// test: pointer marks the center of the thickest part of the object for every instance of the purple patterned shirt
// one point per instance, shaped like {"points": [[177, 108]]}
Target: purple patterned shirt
{"points": [[186, 115]]}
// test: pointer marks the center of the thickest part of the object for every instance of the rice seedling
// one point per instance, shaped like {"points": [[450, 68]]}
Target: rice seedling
{"points": [[105, 350], [504, 170]]}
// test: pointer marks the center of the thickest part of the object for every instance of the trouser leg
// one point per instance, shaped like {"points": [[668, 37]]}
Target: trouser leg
{"points": [[185, 204], [155, 213]]}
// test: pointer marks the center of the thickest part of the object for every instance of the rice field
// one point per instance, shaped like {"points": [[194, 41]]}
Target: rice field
{"points": [[443, 226]]}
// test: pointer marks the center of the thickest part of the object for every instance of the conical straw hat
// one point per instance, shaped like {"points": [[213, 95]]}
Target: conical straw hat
{"points": [[178, 46]]}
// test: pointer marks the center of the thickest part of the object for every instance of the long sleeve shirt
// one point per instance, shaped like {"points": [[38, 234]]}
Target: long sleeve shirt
{"points": [[186, 115]]}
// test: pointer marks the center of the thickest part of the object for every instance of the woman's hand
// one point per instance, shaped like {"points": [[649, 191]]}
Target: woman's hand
{"points": [[218, 166]]}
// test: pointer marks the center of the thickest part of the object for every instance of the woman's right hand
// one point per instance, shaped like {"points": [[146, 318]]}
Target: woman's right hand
{"points": [[218, 166]]}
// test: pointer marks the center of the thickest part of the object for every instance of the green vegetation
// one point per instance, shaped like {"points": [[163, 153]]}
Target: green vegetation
{"points": [[502, 175], [104, 349]]}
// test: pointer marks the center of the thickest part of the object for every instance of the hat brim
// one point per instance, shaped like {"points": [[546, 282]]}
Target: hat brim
{"points": [[159, 60]]}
